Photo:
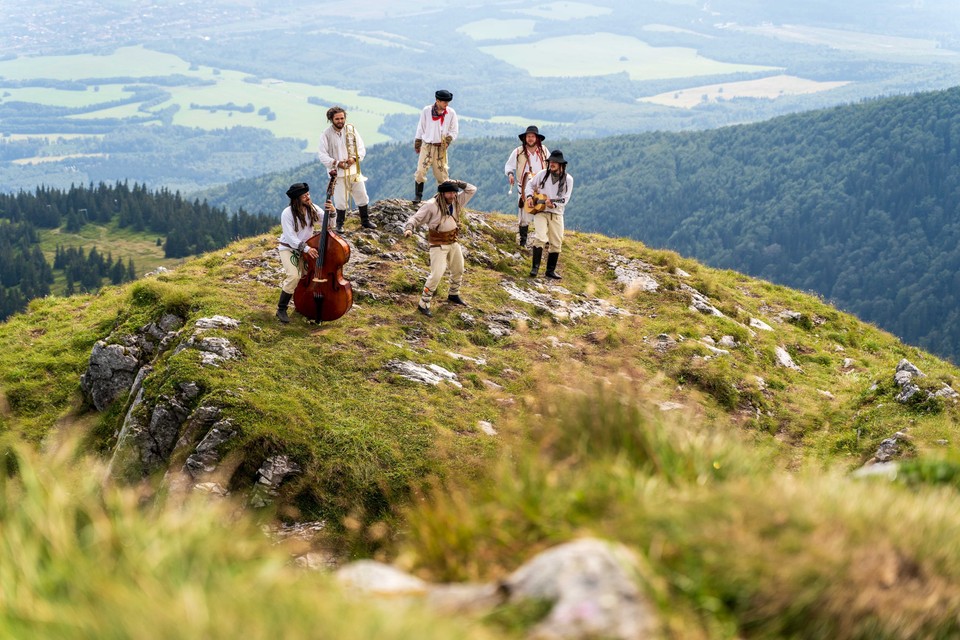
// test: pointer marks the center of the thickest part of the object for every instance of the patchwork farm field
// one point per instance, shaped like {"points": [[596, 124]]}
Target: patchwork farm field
{"points": [[772, 87], [608, 53], [278, 106]]}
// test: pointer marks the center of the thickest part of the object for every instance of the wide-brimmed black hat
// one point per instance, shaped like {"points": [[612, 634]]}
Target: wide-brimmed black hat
{"points": [[447, 186], [556, 156], [444, 95], [532, 129], [298, 189]]}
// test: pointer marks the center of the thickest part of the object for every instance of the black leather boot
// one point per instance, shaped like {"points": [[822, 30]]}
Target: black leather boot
{"points": [[282, 307], [365, 218], [523, 235], [535, 266], [552, 266], [341, 216], [418, 187]]}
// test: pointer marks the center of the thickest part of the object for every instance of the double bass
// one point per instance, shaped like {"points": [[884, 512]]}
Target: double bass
{"points": [[323, 293]]}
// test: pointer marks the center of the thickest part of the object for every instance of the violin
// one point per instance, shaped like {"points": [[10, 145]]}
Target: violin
{"points": [[323, 293]]}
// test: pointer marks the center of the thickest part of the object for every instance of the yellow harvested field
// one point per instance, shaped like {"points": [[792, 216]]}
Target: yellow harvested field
{"points": [[769, 88]]}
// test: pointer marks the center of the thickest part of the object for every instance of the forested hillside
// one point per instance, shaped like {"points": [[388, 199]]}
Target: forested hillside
{"points": [[187, 228], [857, 203]]}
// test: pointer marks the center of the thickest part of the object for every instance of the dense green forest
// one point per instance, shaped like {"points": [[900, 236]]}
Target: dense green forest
{"points": [[24, 272], [189, 228], [859, 204], [856, 203], [179, 158]]}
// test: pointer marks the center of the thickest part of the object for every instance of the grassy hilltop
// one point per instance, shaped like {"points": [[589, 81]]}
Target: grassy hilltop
{"points": [[596, 406]]}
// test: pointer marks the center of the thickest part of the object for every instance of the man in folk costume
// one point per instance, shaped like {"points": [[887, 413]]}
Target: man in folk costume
{"points": [[341, 149], [298, 223], [557, 185], [442, 215], [525, 161], [436, 131]]}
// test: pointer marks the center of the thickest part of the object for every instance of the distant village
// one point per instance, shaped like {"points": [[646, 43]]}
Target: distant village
{"points": [[54, 27]]}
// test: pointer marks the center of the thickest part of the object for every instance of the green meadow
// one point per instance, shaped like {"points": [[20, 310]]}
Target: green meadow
{"points": [[608, 53], [126, 244], [295, 117]]}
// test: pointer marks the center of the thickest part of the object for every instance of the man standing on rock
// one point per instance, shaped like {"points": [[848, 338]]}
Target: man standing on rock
{"points": [[436, 131], [341, 150], [442, 215], [525, 161], [557, 185]]}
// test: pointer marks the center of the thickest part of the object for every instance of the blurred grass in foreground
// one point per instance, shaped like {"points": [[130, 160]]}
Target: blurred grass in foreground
{"points": [[735, 546], [78, 560]]}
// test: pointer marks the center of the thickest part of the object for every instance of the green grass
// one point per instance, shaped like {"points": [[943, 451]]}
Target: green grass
{"points": [[736, 548], [754, 460], [80, 560], [125, 244]]}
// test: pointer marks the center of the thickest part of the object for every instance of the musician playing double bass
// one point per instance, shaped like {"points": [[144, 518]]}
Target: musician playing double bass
{"points": [[442, 215], [298, 223], [525, 161], [341, 149]]}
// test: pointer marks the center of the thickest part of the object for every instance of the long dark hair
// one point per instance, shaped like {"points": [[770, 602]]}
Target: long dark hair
{"points": [[300, 215], [563, 178], [526, 154]]}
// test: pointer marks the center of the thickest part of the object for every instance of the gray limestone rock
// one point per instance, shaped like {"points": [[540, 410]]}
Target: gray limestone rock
{"points": [[784, 360], [270, 476], [110, 374], [593, 586], [209, 451]]}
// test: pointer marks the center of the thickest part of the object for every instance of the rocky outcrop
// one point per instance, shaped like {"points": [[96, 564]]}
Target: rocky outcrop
{"points": [[700, 302], [208, 453], [593, 587], [114, 364], [783, 359], [905, 377], [427, 374], [110, 374], [153, 427], [149, 432], [270, 476], [552, 300]]}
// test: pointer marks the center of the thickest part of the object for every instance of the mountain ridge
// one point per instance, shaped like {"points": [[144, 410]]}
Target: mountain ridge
{"points": [[842, 201], [384, 426]]}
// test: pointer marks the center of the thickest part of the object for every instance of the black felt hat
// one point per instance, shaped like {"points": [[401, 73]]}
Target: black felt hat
{"points": [[532, 129], [447, 186], [297, 190], [556, 156], [444, 95]]}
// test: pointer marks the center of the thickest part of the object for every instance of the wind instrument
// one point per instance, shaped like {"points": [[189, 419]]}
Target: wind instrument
{"points": [[350, 139]]}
